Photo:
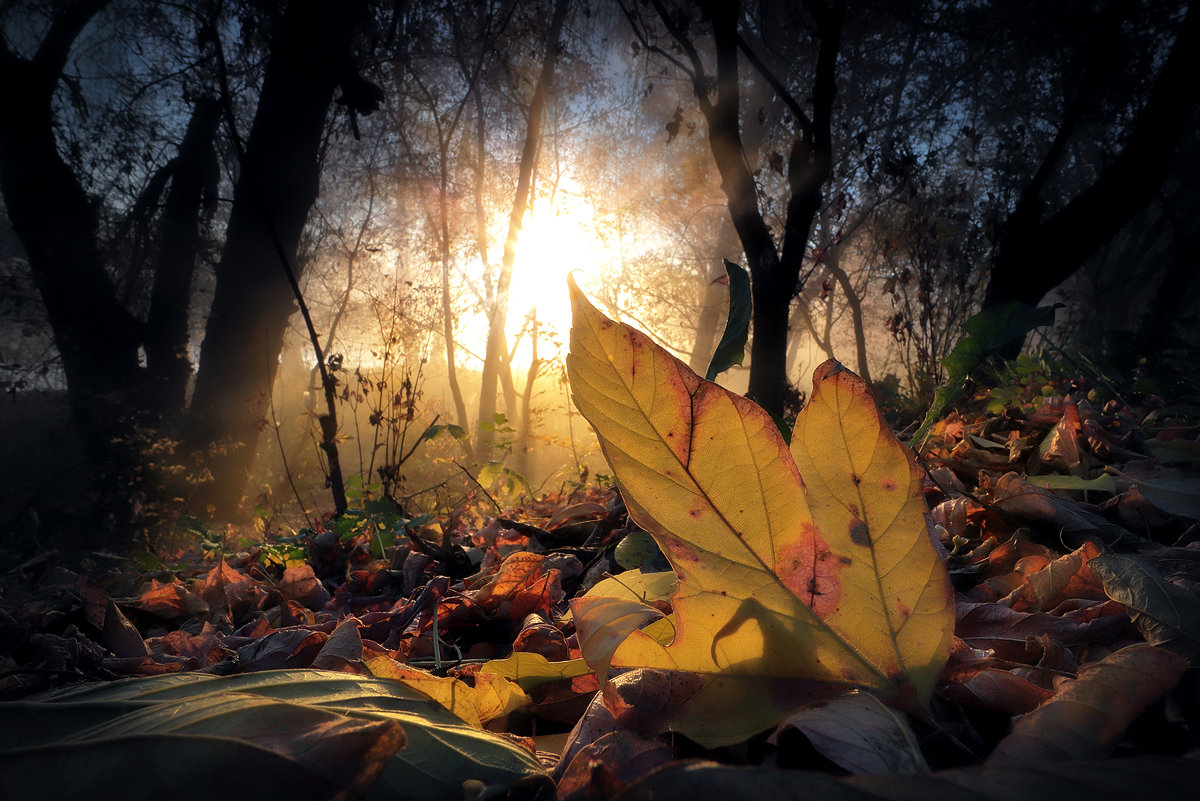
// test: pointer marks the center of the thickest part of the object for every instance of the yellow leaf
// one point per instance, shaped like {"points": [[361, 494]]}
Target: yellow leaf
{"points": [[496, 696], [449, 692], [635, 585], [530, 670], [864, 492], [605, 622], [769, 588]]}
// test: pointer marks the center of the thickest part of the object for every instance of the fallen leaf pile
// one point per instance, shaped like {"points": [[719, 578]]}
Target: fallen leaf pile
{"points": [[1053, 587]]}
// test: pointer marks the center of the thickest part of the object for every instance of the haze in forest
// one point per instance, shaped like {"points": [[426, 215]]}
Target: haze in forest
{"points": [[429, 173]]}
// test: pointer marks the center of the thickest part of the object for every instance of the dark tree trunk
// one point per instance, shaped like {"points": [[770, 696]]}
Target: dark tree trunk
{"points": [[1035, 255], [97, 338], [193, 189], [275, 190], [774, 274], [768, 346]]}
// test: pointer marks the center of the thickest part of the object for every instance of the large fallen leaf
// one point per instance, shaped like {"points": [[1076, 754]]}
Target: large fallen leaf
{"points": [[840, 584], [1088, 716], [864, 489], [1160, 778], [277, 734]]}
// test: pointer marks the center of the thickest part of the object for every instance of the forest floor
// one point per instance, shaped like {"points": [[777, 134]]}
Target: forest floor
{"points": [[1026, 485]]}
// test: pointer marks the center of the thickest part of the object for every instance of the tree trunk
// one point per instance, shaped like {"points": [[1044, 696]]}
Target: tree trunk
{"points": [[833, 263], [193, 185], [97, 338], [496, 354], [460, 406], [769, 289], [275, 190], [523, 446], [774, 275]]}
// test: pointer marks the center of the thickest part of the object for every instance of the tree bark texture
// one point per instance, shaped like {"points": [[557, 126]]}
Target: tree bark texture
{"points": [[774, 273]]}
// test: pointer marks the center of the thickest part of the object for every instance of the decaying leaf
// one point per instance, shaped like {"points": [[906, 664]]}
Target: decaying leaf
{"points": [[473, 705], [839, 584], [1087, 717], [1173, 492], [612, 761]]}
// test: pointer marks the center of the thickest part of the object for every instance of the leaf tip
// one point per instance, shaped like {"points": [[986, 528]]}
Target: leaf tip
{"points": [[828, 369]]}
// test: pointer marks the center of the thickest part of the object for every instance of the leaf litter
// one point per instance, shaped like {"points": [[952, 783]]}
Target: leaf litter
{"points": [[1067, 529]]}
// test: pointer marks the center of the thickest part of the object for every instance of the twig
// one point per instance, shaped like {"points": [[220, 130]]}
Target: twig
{"points": [[482, 489], [287, 470]]}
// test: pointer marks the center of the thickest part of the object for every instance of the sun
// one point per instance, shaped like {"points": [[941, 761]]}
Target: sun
{"points": [[560, 236]]}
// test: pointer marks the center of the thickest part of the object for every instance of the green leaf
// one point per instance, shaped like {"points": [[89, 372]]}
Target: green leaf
{"points": [[732, 347], [508, 480], [637, 550], [986, 332], [455, 431], [295, 734], [381, 506]]}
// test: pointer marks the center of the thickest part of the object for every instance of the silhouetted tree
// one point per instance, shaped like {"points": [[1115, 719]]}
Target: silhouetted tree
{"points": [[774, 269]]}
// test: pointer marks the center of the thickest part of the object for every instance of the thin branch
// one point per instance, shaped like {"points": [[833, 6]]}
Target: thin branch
{"points": [[786, 96], [475, 481]]}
